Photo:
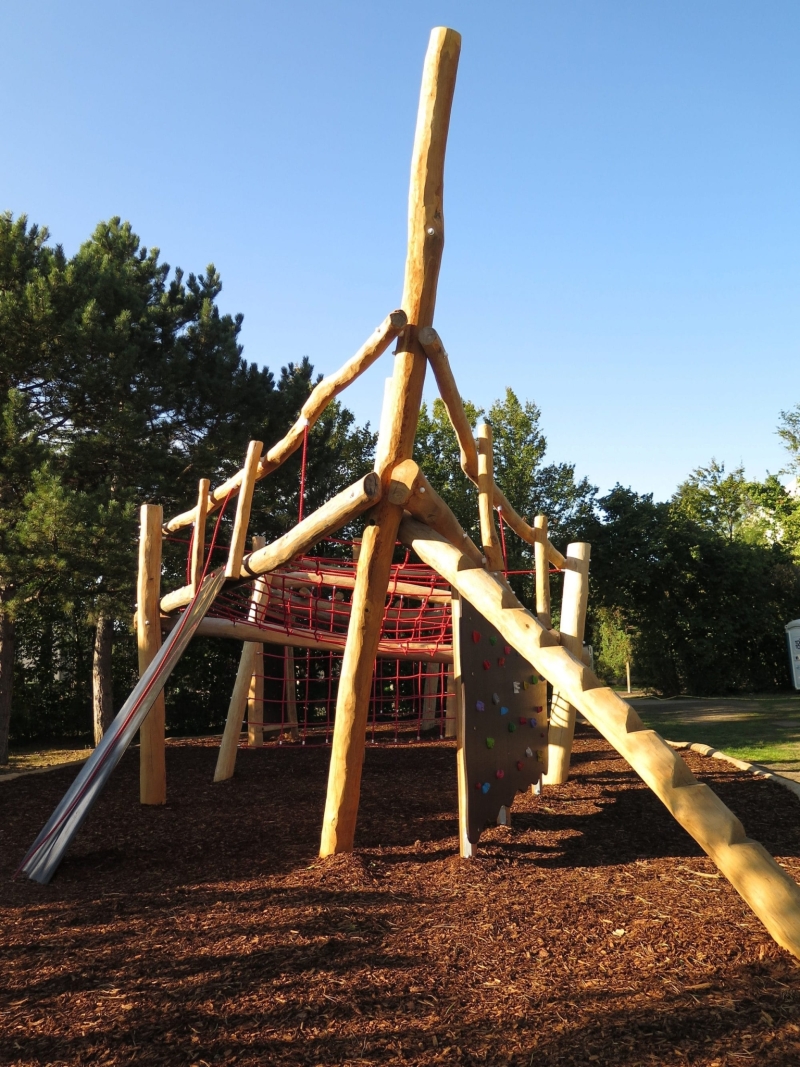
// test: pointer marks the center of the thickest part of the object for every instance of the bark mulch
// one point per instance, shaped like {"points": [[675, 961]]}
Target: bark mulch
{"points": [[594, 931]]}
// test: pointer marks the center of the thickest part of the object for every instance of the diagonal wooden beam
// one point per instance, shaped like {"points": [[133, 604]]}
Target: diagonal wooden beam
{"points": [[423, 259]]}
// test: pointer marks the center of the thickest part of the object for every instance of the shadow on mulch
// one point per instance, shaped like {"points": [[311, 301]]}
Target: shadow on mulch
{"points": [[208, 932]]}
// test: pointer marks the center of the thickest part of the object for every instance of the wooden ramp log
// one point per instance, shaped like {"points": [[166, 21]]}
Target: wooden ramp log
{"points": [[574, 599], [396, 442], [769, 891]]}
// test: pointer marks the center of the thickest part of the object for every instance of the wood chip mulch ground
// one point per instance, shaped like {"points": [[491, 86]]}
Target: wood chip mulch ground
{"points": [[593, 931]]}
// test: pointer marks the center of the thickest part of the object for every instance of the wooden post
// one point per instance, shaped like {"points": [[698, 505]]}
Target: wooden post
{"points": [[542, 566], [243, 505], [490, 542], [290, 690], [152, 764], [425, 244], [465, 847], [628, 673], [452, 706], [573, 619], [430, 692], [255, 694], [199, 542]]}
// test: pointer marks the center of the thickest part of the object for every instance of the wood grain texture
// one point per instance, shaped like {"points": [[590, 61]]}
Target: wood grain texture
{"points": [[243, 505], [425, 244], [574, 599], [542, 566], [321, 396], [199, 536], [490, 540], [334, 514], [255, 693], [768, 890], [152, 764]]}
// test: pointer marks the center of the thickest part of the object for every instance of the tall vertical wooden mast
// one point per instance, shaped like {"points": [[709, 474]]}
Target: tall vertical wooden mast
{"points": [[425, 244]]}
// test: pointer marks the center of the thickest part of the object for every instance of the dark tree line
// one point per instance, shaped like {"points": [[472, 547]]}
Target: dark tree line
{"points": [[121, 382]]}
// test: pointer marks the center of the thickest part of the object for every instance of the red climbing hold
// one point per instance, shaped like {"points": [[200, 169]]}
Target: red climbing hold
{"points": [[500, 774], [476, 636], [501, 661], [523, 721], [508, 650], [486, 665], [520, 764]]}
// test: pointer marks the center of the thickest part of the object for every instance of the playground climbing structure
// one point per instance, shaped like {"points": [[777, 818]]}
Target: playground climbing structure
{"points": [[368, 619]]}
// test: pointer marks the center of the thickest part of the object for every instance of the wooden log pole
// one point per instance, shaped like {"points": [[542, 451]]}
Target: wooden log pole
{"points": [[290, 690], [448, 391], [466, 848], [255, 694], [152, 761], [765, 886], [542, 566], [199, 539], [334, 514], [429, 694], [489, 538], [243, 505], [423, 259], [226, 758], [453, 704], [410, 488], [573, 620], [321, 396]]}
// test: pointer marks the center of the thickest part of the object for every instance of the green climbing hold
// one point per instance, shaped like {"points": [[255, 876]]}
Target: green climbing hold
{"points": [[512, 727], [490, 742]]}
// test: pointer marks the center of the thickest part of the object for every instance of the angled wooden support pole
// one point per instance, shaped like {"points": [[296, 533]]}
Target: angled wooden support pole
{"points": [[489, 539], [243, 505], [152, 763], [573, 619], [423, 259], [199, 537], [542, 566]]}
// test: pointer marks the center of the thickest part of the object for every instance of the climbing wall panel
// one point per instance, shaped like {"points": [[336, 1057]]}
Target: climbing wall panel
{"points": [[504, 726]]}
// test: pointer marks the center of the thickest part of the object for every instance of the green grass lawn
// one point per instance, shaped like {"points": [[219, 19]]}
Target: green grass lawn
{"points": [[34, 758], [760, 729]]}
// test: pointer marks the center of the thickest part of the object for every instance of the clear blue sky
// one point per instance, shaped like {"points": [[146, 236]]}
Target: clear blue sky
{"points": [[622, 194]]}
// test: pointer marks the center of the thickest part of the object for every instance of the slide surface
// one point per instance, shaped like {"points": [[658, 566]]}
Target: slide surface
{"points": [[773, 896], [48, 849]]}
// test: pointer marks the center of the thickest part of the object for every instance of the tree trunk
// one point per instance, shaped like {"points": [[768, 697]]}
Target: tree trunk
{"points": [[102, 688], [7, 643]]}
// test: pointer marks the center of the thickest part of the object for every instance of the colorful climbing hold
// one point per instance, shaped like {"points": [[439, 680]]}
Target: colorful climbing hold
{"points": [[533, 722], [479, 785], [476, 636], [479, 705], [492, 640], [500, 773], [529, 752], [486, 665], [517, 687], [538, 709], [512, 727], [520, 765], [490, 742], [523, 721], [508, 650], [486, 787], [504, 711], [495, 698], [501, 661]]}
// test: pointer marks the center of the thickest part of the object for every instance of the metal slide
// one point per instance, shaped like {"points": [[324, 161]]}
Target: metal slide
{"points": [[47, 851]]}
